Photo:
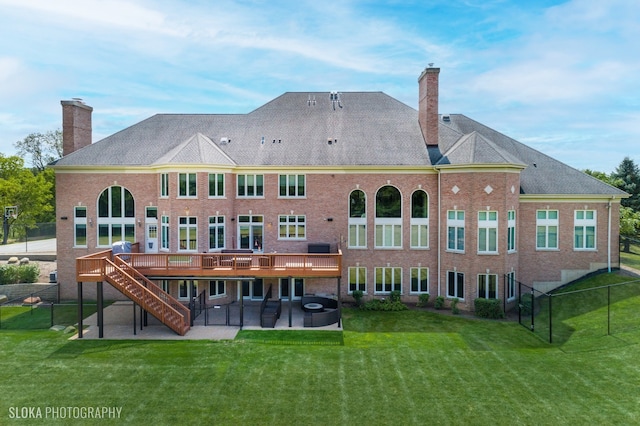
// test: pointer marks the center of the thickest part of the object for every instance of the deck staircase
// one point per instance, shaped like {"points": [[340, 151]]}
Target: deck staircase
{"points": [[146, 294]]}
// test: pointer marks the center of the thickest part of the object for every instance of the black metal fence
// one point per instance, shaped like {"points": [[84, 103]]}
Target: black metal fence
{"points": [[594, 312]]}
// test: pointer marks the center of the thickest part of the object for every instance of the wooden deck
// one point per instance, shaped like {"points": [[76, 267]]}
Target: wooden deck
{"points": [[217, 265]]}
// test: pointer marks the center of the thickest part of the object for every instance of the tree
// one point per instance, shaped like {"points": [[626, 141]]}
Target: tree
{"points": [[629, 226], [629, 174], [20, 187], [43, 148]]}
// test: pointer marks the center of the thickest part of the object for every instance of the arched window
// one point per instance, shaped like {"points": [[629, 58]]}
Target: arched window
{"points": [[388, 217], [116, 216], [419, 219], [357, 219]]}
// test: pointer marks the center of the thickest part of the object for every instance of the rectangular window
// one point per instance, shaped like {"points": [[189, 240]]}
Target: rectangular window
{"points": [[187, 185], [216, 232], [511, 231], [488, 286], [164, 185], [419, 280], [584, 235], [164, 233], [216, 185], [547, 229], [285, 288], [357, 279], [217, 288], [188, 233], [80, 227], [488, 232], [511, 286], [388, 279], [250, 185], [455, 230], [292, 227], [455, 284], [419, 233], [292, 186], [388, 233], [357, 233]]}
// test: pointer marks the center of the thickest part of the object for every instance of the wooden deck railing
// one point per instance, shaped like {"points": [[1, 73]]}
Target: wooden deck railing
{"points": [[220, 264]]}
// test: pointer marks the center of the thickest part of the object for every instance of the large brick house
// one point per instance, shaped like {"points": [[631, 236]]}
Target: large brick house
{"points": [[415, 201]]}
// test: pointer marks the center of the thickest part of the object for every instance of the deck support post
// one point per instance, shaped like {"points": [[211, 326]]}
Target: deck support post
{"points": [[134, 319], [80, 312], [339, 305], [291, 293], [241, 305], [100, 310]]}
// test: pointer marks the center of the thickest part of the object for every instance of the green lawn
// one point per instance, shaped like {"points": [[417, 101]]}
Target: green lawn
{"points": [[410, 367], [40, 317]]}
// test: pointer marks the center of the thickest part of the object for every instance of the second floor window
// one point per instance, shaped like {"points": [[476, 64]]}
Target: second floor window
{"points": [[188, 233], [216, 185], [216, 232], [511, 231], [164, 185], [584, 230], [250, 185], [187, 185], [455, 230], [547, 229], [419, 220], [292, 186], [487, 232], [357, 219], [388, 218], [80, 227]]}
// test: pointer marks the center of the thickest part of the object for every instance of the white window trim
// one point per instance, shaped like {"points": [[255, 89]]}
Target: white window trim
{"points": [[295, 224], [584, 223], [392, 284], [358, 222], [188, 227], [295, 176], [450, 296], [255, 186], [547, 223], [216, 196], [191, 197], [458, 225], [359, 284], [419, 269], [486, 277], [386, 222], [217, 295], [489, 225], [511, 228], [80, 221]]}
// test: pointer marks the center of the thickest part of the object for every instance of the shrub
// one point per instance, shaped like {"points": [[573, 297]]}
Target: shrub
{"points": [[28, 273], [384, 305], [423, 299], [394, 296], [357, 295], [14, 274], [439, 303], [454, 306], [488, 308]]}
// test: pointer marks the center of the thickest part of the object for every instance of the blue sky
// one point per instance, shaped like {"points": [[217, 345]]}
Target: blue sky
{"points": [[560, 76]]}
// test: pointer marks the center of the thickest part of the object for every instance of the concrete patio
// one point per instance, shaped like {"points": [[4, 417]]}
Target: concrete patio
{"points": [[119, 323]]}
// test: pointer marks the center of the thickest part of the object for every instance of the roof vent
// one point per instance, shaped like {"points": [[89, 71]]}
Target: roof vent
{"points": [[224, 141], [446, 118]]}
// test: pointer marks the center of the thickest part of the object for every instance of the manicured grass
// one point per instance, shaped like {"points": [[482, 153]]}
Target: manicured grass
{"points": [[40, 317], [410, 367], [632, 258], [605, 304]]}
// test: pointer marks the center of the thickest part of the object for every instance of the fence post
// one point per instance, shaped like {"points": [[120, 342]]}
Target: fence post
{"points": [[608, 310], [533, 308], [51, 315]]}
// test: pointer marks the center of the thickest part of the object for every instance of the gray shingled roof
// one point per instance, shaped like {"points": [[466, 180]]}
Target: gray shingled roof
{"points": [[311, 129]]}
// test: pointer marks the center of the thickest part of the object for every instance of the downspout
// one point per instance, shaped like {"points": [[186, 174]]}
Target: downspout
{"points": [[609, 237], [439, 228]]}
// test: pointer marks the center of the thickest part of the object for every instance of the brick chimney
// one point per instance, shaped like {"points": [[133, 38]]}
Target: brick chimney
{"points": [[76, 125], [428, 105]]}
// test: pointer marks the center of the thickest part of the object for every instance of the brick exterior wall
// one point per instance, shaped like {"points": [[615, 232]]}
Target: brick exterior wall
{"points": [[327, 196]]}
